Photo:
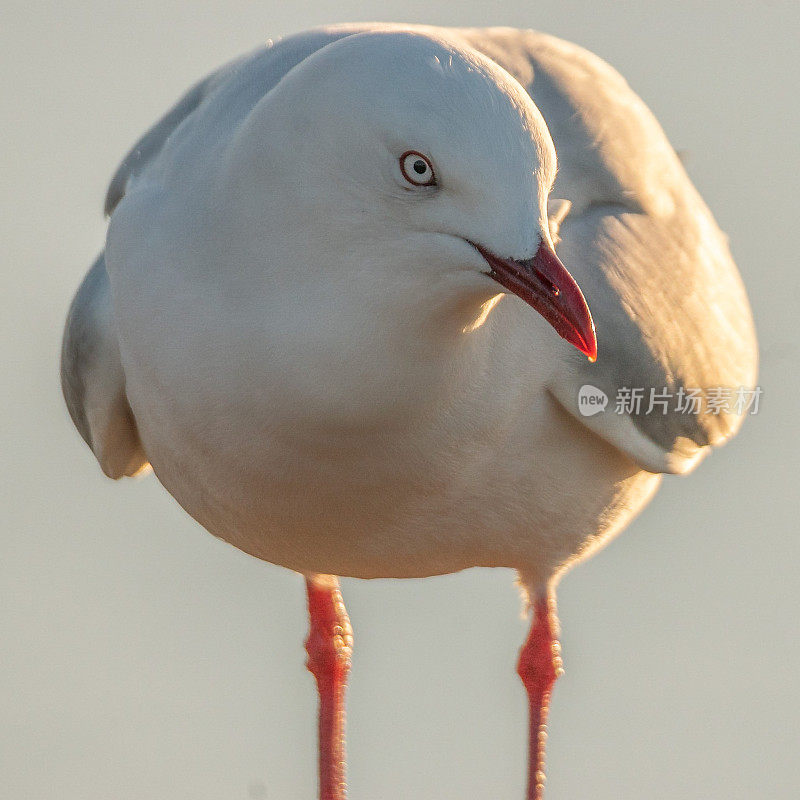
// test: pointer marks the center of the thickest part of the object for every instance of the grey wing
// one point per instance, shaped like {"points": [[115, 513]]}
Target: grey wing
{"points": [[93, 381], [92, 377], [673, 320], [148, 147], [671, 312], [227, 94]]}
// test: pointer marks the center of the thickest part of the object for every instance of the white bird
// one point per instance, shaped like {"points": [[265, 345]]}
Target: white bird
{"points": [[313, 319]]}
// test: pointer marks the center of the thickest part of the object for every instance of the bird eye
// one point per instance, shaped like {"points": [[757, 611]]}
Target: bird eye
{"points": [[417, 169]]}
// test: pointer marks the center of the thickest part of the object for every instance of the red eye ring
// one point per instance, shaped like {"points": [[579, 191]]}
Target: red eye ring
{"points": [[409, 163]]}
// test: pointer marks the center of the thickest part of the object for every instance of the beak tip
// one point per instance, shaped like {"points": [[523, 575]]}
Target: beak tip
{"points": [[592, 349], [589, 348]]}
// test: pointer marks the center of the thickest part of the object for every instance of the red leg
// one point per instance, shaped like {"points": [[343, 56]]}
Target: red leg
{"points": [[329, 646], [539, 665]]}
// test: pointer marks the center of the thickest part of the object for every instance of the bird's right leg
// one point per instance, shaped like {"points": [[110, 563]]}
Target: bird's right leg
{"points": [[329, 646]]}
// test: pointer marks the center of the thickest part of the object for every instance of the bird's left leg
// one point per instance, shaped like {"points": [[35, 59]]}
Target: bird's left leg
{"points": [[329, 647], [539, 665]]}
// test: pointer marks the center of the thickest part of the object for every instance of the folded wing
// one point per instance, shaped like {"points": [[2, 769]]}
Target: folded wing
{"points": [[670, 309], [93, 381]]}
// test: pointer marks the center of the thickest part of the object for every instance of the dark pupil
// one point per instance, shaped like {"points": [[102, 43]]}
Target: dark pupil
{"points": [[420, 167]]}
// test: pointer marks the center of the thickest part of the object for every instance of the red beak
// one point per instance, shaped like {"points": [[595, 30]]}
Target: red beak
{"points": [[544, 283]]}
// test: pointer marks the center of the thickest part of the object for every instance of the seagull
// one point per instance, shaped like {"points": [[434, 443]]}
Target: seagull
{"points": [[330, 315]]}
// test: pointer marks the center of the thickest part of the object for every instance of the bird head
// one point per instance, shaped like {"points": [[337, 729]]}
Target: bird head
{"points": [[403, 149]]}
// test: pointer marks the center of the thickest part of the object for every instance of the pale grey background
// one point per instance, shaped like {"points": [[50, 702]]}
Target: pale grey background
{"points": [[142, 659]]}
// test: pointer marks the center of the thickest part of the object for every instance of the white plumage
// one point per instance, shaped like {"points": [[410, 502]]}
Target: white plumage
{"points": [[311, 355], [294, 360]]}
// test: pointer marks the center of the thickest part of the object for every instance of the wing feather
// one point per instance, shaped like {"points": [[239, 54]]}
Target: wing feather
{"points": [[93, 381], [669, 305]]}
